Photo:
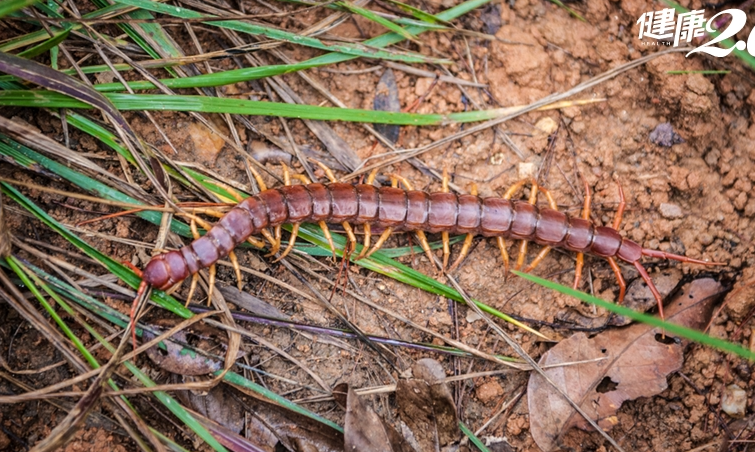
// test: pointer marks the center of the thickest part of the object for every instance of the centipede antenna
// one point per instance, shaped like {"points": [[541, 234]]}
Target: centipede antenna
{"points": [[676, 257], [657, 295]]}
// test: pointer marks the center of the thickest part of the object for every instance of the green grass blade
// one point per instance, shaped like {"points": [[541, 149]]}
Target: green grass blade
{"points": [[45, 46], [418, 13], [569, 10], [42, 35], [472, 438], [121, 271], [355, 50], [161, 102], [677, 330], [254, 73], [10, 6], [369, 15], [244, 383]]}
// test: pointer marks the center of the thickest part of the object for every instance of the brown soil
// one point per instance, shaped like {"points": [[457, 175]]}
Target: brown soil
{"points": [[694, 199]]}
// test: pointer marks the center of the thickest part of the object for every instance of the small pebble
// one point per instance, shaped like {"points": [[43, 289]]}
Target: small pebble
{"points": [[671, 211], [664, 135], [488, 392], [734, 401]]}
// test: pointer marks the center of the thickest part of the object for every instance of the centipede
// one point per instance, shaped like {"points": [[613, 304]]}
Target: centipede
{"points": [[400, 208]]}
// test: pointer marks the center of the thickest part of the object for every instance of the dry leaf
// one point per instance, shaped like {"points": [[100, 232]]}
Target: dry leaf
{"points": [[426, 406], [364, 430], [387, 99], [636, 363]]}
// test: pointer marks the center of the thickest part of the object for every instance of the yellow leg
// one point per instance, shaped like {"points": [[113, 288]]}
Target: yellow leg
{"points": [[232, 191], [367, 238], [371, 177], [351, 245], [467, 240], [302, 178], [192, 288], [328, 237], [292, 240], [585, 216], [539, 258], [423, 242], [258, 178], [256, 242], [277, 235], [523, 245], [211, 284], [328, 172], [383, 237], [504, 254], [274, 244], [236, 269]]}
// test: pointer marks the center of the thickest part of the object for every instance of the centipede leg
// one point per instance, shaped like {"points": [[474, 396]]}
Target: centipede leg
{"points": [[504, 254], [523, 246], [351, 244], [383, 237], [645, 277], [211, 284], [195, 276], [291, 241], [619, 277], [585, 216], [422, 238], [509, 193], [444, 235], [620, 210], [255, 242], [236, 269], [274, 244], [328, 237], [367, 229], [467, 240], [367, 238], [546, 249]]}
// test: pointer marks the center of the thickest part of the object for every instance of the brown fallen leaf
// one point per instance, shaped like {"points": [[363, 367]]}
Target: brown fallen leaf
{"points": [[387, 99], [217, 404], [170, 355], [636, 361], [426, 406], [365, 431]]}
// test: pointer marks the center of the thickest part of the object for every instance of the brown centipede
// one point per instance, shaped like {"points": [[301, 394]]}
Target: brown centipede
{"points": [[403, 209]]}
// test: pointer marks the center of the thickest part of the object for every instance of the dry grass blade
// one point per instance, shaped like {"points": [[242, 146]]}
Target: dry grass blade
{"points": [[42, 75]]}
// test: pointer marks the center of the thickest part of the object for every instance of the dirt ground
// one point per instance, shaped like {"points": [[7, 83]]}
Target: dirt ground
{"points": [[694, 198]]}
